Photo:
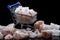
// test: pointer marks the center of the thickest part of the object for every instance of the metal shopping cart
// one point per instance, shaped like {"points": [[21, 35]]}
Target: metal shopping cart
{"points": [[17, 18]]}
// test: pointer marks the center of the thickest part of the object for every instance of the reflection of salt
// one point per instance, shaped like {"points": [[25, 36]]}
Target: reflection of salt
{"points": [[55, 38], [25, 11]]}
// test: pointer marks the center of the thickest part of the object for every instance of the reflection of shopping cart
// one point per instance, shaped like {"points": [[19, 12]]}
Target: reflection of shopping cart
{"points": [[19, 18]]}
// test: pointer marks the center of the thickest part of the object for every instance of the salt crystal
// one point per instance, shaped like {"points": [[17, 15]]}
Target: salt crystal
{"points": [[54, 26], [32, 35], [38, 33], [32, 12], [54, 32], [9, 36], [11, 25], [1, 35]]}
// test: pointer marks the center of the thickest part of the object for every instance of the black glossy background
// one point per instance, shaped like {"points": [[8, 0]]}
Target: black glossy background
{"points": [[47, 11]]}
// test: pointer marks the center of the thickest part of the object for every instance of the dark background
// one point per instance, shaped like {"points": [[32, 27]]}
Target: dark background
{"points": [[47, 11]]}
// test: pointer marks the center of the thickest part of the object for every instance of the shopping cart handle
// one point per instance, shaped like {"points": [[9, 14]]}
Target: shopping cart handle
{"points": [[16, 4]]}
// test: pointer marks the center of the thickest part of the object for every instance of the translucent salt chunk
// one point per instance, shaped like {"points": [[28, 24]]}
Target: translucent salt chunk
{"points": [[9, 36], [54, 32], [32, 35], [11, 25], [54, 26], [1, 35]]}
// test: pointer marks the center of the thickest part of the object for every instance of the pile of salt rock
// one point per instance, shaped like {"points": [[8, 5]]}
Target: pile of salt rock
{"points": [[42, 30]]}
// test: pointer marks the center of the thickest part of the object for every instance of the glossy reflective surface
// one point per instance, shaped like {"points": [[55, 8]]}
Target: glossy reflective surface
{"points": [[52, 38]]}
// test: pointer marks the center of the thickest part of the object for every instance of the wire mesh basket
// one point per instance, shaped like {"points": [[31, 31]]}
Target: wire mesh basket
{"points": [[19, 18]]}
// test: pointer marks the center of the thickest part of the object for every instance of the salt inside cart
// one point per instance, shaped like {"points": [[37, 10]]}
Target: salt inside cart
{"points": [[22, 15]]}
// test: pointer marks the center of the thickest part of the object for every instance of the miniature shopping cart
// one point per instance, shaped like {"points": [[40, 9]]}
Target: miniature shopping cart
{"points": [[17, 18]]}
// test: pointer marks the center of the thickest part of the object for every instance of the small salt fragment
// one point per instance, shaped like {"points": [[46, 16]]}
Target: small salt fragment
{"points": [[38, 33], [18, 9], [1, 35], [46, 27], [54, 26], [20, 34], [38, 24], [32, 12], [54, 32], [46, 35], [11, 25], [32, 35], [9, 36], [28, 29]]}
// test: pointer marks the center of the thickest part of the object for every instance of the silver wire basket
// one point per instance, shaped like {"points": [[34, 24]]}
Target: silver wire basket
{"points": [[17, 18]]}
